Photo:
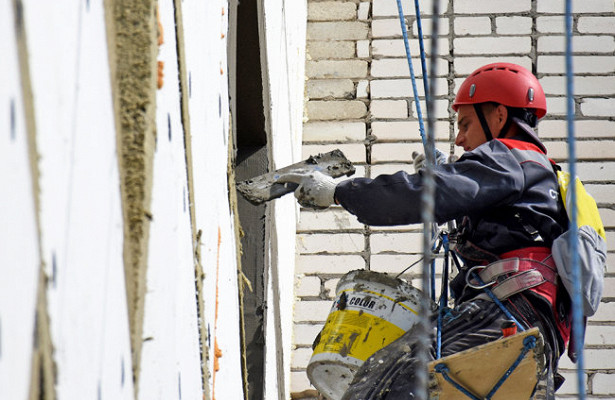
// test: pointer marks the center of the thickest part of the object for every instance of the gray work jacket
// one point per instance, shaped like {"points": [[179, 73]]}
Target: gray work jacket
{"points": [[505, 190]]}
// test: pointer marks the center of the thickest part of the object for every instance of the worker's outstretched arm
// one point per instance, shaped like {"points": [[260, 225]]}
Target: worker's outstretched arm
{"points": [[485, 177]]}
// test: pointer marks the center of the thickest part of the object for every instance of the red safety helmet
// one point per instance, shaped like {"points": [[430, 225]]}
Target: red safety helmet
{"points": [[503, 83]]}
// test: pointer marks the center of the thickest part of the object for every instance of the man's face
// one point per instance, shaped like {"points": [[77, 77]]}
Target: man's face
{"points": [[470, 134]]}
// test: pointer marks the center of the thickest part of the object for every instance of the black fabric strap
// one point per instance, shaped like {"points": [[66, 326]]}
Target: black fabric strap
{"points": [[506, 126], [483, 121]]}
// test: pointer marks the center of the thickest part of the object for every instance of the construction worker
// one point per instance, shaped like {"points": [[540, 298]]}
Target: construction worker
{"points": [[504, 194]]}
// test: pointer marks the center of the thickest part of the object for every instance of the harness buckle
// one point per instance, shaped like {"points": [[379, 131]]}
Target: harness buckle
{"points": [[478, 286]]}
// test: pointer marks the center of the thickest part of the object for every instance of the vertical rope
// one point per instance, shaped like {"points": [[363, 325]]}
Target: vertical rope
{"points": [[443, 295], [419, 26], [577, 316], [404, 31]]}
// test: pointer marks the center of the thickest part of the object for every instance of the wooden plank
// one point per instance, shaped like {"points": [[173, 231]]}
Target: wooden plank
{"points": [[480, 368]]}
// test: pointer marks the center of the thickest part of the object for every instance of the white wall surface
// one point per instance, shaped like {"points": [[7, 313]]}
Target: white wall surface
{"points": [[285, 25], [205, 27], [81, 218], [170, 359], [19, 245]]}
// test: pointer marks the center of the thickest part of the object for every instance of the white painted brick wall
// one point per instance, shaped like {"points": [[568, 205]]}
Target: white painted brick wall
{"points": [[331, 219], [336, 69], [465, 26], [550, 24], [598, 107], [513, 25], [600, 25], [363, 11], [387, 8], [334, 131], [328, 110], [580, 44], [493, 45], [337, 264], [329, 88], [603, 384], [583, 128], [443, 28], [405, 130], [396, 242], [394, 109], [305, 333], [472, 33], [395, 48], [337, 30], [583, 85], [402, 88], [363, 50], [398, 67], [332, 50], [331, 11], [308, 311], [466, 65], [331, 287], [389, 27], [582, 64], [307, 286], [492, 6], [578, 6]]}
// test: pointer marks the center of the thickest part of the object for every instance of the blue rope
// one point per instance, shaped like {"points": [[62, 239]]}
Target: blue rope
{"points": [[490, 294], [498, 302], [528, 343], [419, 25], [577, 315], [443, 295], [404, 32], [432, 277], [443, 369]]}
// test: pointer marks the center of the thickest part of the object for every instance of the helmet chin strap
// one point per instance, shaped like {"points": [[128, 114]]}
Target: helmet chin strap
{"points": [[483, 123]]}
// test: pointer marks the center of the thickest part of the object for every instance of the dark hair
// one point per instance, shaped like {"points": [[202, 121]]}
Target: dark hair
{"points": [[527, 115]]}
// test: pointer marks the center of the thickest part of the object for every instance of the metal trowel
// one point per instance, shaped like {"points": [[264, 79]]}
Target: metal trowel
{"points": [[263, 188]]}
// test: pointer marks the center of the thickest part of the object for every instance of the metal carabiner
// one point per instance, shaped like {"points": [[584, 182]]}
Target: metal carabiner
{"points": [[471, 273]]}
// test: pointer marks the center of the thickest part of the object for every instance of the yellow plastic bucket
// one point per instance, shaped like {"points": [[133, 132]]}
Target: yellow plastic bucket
{"points": [[370, 311]]}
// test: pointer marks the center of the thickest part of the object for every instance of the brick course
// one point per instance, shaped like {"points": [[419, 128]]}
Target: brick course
{"points": [[350, 30], [330, 50], [331, 11], [328, 88]]}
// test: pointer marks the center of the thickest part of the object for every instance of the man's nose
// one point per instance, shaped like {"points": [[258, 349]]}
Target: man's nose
{"points": [[459, 139]]}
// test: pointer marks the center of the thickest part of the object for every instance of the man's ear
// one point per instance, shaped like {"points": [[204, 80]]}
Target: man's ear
{"points": [[499, 118], [502, 114]]}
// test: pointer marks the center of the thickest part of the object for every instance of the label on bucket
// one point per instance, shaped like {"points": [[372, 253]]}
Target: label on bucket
{"points": [[360, 323], [356, 334]]}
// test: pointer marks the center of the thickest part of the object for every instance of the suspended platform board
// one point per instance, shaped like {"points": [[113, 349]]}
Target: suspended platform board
{"points": [[480, 368]]}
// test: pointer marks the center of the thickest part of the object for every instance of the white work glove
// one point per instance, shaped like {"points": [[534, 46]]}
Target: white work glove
{"points": [[316, 190], [419, 161]]}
